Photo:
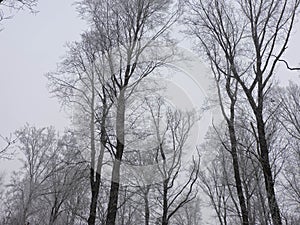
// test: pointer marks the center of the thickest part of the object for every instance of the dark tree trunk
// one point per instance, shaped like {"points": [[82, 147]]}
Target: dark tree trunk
{"points": [[233, 142], [237, 177], [95, 192], [147, 210], [113, 195], [115, 179], [264, 150], [268, 177], [262, 142], [165, 203]]}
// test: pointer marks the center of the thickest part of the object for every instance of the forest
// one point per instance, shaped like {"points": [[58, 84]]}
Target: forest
{"points": [[162, 133]]}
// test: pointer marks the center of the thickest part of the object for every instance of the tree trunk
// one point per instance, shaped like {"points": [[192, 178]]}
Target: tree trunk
{"points": [[237, 177], [95, 192], [95, 174], [115, 179], [268, 178], [147, 211], [233, 150], [95, 184], [165, 203]]}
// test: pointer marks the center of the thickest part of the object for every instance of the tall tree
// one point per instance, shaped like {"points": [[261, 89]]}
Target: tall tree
{"points": [[124, 31], [251, 36], [229, 94], [79, 84]]}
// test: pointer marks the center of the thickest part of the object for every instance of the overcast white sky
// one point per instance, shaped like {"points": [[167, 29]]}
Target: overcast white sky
{"points": [[30, 46]]}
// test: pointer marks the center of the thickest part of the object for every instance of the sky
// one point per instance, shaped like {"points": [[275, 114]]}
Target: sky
{"points": [[32, 45]]}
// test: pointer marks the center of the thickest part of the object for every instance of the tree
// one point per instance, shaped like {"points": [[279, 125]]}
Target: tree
{"points": [[287, 101], [169, 158], [114, 53], [34, 144], [79, 83], [229, 113], [52, 173], [68, 178], [250, 37], [118, 29], [154, 162], [213, 184]]}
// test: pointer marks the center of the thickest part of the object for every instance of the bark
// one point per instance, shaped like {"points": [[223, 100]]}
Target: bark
{"points": [[230, 120], [147, 210], [95, 185], [233, 149], [262, 141], [95, 192], [264, 149], [95, 173], [165, 203], [115, 180], [237, 177], [268, 177]]}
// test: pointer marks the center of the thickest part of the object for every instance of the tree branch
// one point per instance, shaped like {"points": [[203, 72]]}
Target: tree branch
{"points": [[287, 65]]}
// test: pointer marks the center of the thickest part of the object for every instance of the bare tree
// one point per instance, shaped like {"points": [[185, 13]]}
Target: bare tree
{"points": [[68, 177], [250, 37], [169, 155], [154, 165], [229, 113], [52, 173], [123, 32], [213, 183], [288, 104], [37, 146], [79, 83]]}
